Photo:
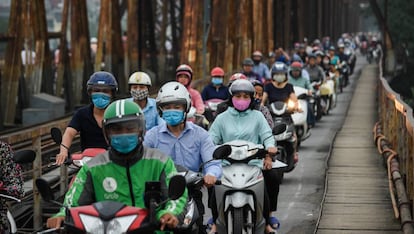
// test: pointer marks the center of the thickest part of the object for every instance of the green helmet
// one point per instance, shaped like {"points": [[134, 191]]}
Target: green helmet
{"points": [[123, 112]]}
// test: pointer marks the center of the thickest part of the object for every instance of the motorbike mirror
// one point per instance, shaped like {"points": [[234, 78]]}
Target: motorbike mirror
{"points": [[176, 187], [222, 152], [24, 156], [44, 189], [278, 129], [56, 135]]}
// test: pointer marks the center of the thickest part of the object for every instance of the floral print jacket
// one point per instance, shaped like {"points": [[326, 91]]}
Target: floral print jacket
{"points": [[11, 181]]}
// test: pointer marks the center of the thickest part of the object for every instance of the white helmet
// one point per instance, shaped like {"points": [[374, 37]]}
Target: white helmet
{"points": [[173, 92], [140, 78]]}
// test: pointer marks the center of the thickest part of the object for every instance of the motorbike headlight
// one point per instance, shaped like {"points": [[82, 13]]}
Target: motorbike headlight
{"points": [[291, 104], [92, 224], [120, 225]]}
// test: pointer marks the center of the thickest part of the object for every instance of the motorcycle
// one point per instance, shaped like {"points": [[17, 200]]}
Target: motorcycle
{"points": [[319, 107], [373, 54], [350, 52], [345, 72], [240, 196], [197, 119], [328, 92], [20, 157], [75, 159], [300, 118], [113, 216], [284, 133], [194, 182], [211, 108]]}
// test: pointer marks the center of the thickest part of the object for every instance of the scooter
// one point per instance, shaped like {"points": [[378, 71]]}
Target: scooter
{"points": [[197, 119], [300, 118], [211, 108], [19, 157], [194, 182], [328, 93], [284, 133], [115, 217], [240, 196], [75, 159], [320, 106]]}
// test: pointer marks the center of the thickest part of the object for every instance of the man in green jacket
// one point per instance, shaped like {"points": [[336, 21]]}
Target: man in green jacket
{"points": [[120, 173]]}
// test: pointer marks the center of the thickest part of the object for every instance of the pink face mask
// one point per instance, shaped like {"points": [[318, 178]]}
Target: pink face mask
{"points": [[240, 104]]}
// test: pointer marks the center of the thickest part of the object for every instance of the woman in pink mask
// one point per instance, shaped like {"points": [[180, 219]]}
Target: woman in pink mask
{"points": [[184, 75], [242, 122]]}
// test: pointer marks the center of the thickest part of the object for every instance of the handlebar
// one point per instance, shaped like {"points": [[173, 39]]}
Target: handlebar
{"points": [[10, 197]]}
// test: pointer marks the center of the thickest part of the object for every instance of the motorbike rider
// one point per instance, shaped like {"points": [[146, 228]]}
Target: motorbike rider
{"points": [[315, 71], [184, 75], [102, 87], [120, 172], [259, 67], [241, 121], [215, 90], [332, 56], [296, 79], [247, 70], [258, 97], [186, 143], [11, 182], [139, 84], [279, 89], [281, 55], [319, 57], [259, 88]]}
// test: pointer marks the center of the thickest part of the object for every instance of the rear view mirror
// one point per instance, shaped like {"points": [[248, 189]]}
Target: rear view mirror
{"points": [[24, 156], [44, 189], [176, 187], [56, 135], [222, 152]]}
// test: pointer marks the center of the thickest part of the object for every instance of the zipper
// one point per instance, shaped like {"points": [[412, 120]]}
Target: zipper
{"points": [[131, 192]]}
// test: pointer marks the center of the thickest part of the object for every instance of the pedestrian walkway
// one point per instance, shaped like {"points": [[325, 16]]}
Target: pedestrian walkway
{"points": [[357, 199]]}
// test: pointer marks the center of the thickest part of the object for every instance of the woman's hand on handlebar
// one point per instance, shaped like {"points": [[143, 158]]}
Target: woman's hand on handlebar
{"points": [[61, 157]]}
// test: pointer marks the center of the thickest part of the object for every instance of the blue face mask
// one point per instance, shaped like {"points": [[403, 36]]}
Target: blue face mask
{"points": [[101, 100], [173, 117], [124, 143], [217, 80]]}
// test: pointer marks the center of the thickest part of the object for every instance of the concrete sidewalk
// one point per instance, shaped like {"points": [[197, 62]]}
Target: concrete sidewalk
{"points": [[357, 199]]}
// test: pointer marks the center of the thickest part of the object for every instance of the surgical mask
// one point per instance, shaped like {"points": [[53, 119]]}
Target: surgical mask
{"points": [[139, 94], [279, 77], [217, 80], [241, 104], [101, 100], [124, 143], [173, 117]]}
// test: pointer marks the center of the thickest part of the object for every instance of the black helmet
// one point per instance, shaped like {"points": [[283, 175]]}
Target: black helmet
{"points": [[102, 79], [248, 62]]}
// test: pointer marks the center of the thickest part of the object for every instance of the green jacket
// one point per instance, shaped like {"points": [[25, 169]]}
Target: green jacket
{"points": [[110, 177]]}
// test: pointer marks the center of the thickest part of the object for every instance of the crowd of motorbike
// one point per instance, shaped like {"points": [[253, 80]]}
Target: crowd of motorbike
{"points": [[242, 178]]}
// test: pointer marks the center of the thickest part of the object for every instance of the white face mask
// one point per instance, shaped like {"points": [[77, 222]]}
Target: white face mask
{"points": [[279, 77]]}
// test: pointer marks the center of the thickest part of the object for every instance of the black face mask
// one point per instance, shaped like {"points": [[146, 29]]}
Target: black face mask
{"points": [[256, 62]]}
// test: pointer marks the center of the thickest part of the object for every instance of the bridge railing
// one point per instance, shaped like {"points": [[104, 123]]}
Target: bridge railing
{"points": [[397, 123], [37, 138]]}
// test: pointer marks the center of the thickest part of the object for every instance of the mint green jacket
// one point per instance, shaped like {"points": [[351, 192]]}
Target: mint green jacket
{"points": [[249, 125]]}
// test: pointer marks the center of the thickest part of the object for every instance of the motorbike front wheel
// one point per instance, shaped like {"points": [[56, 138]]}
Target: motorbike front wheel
{"points": [[237, 221]]}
